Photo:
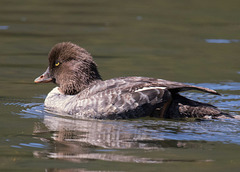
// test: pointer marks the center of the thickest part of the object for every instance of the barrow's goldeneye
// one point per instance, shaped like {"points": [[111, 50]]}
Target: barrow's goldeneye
{"points": [[81, 92]]}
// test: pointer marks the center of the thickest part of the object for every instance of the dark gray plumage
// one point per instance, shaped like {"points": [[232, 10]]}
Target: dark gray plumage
{"points": [[82, 93]]}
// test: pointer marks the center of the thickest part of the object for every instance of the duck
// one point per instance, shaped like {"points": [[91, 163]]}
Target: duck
{"points": [[82, 93]]}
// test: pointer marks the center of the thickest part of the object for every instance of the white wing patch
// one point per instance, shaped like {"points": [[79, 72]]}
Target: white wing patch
{"points": [[149, 88]]}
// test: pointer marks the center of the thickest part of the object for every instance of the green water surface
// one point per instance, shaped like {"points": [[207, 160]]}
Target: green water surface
{"points": [[188, 41]]}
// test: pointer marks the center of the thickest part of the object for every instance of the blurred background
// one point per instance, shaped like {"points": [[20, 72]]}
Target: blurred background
{"points": [[189, 41]]}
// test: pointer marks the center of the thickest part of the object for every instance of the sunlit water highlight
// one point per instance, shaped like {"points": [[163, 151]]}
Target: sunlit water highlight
{"points": [[222, 41]]}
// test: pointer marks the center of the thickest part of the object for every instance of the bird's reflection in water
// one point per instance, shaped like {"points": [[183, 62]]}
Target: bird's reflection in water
{"points": [[83, 140]]}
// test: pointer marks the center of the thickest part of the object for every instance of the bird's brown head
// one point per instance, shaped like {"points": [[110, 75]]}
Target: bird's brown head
{"points": [[71, 67]]}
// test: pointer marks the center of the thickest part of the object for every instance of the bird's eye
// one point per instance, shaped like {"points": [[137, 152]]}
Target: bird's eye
{"points": [[57, 64]]}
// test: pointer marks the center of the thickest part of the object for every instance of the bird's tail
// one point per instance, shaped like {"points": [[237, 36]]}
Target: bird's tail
{"points": [[182, 107]]}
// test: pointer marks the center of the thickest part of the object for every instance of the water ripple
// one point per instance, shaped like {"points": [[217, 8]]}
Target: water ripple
{"points": [[131, 133]]}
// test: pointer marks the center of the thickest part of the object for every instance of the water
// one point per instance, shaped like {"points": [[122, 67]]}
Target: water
{"points": [[194, 42]]}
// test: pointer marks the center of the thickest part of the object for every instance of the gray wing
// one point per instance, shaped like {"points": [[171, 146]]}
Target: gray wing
{"points": [[122, 99], [130, 97]]}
